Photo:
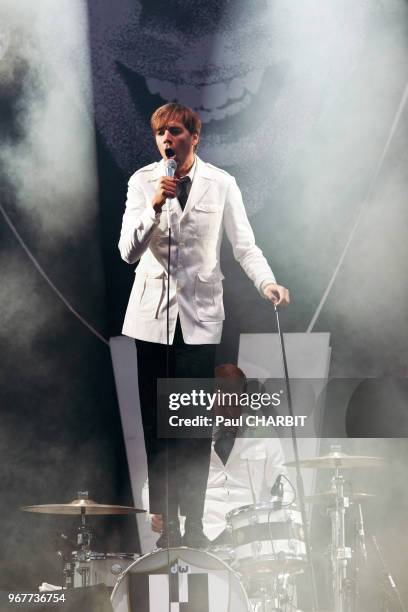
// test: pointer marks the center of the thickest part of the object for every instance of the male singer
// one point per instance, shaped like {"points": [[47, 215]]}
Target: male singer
{"points": [[203, 201]]}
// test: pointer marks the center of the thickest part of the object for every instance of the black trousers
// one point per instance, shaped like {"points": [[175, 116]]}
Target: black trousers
{"points": [[177, 468]]}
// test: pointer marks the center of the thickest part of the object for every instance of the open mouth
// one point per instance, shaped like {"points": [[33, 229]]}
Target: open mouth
{"points": [[222, 106], [169, 152]]}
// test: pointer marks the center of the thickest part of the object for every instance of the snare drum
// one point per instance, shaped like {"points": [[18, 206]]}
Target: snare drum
{"points": [[101, 568], [266, 539], [195, 578]]}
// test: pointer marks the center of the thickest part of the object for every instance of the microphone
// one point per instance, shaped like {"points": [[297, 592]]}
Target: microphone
{"points": [[171, 167]]}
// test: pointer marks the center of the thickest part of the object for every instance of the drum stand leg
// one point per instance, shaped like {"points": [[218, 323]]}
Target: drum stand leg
{"points": [[68, 574], [340, 553], [391, 592], [84, 538], [273, 594]]}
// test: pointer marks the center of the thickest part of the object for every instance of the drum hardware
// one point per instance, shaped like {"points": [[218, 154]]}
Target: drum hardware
{"points": [[337, 460], [81, 558], [390, 589], [64, 554], [68, 573], [344, 588], [82, 505], [84, 538], [267, 540], [359, 556], [271, 593], [101, 568], [329, 498]]}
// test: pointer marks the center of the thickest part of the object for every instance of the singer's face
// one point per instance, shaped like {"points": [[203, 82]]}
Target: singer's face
{"points": [[175, 136]]}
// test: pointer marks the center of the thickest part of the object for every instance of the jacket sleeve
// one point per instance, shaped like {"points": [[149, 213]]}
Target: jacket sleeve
{"points": [[242, 239], [139, 221]]}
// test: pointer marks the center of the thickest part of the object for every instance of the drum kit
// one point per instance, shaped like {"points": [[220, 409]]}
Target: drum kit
{"points": [[83, 567], [255, 572]]}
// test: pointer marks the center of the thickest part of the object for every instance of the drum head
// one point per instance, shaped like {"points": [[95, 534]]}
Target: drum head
{"points": [[197, 579]]}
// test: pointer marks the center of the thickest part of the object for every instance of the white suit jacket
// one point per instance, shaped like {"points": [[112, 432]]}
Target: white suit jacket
{"points": [[246, 478], [214, 203]]}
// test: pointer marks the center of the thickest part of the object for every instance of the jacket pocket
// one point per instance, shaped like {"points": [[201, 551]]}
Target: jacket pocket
{"points": [[208, 297], [207, 218], [152, 296], [208, 207]]}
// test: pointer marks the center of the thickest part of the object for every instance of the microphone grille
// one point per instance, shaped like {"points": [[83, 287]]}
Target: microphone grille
{"points": [[171, 164]]}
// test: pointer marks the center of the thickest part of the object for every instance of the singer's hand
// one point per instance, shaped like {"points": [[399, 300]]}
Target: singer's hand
{"points": [[277, 294], [166, 189], [157, 523]]}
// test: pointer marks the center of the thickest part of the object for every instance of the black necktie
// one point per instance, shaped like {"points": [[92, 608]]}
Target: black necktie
{"points": [[224, 443], [183, 189]]}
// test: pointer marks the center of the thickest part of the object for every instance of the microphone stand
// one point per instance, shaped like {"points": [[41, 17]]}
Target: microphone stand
{"points": [[299, 479], [171, 166]]}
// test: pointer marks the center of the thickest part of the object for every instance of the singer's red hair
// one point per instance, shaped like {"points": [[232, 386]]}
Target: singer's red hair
{"points": [[175, 112]]}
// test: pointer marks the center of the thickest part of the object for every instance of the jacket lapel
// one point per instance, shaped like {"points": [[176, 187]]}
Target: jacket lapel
{"points": [[201, 184]]}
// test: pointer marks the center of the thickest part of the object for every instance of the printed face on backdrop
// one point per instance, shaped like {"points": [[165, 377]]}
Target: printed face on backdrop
{"points": [[255, 70]]}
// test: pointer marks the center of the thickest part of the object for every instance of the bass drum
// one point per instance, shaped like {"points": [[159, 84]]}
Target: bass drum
{"points": [[197, 579]]}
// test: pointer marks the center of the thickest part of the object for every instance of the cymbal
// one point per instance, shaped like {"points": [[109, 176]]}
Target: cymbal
{"points": [[327, 497], [337, 459], [78, 505]]}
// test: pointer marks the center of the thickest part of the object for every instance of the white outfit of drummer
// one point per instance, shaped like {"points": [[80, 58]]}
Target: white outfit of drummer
{"points": [[251, 469]]}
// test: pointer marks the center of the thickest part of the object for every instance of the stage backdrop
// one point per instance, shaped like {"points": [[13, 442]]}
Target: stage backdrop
{"points": [[304, 102]]}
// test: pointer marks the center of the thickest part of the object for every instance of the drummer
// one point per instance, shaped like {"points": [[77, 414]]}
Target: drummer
{"points": [[243, 468]]}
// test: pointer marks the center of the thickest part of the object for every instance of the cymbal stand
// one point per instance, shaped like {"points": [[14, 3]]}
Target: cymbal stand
{"points": [[359, 555], [84, 538], [68, 564], [340, 553], [356, 566]]}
